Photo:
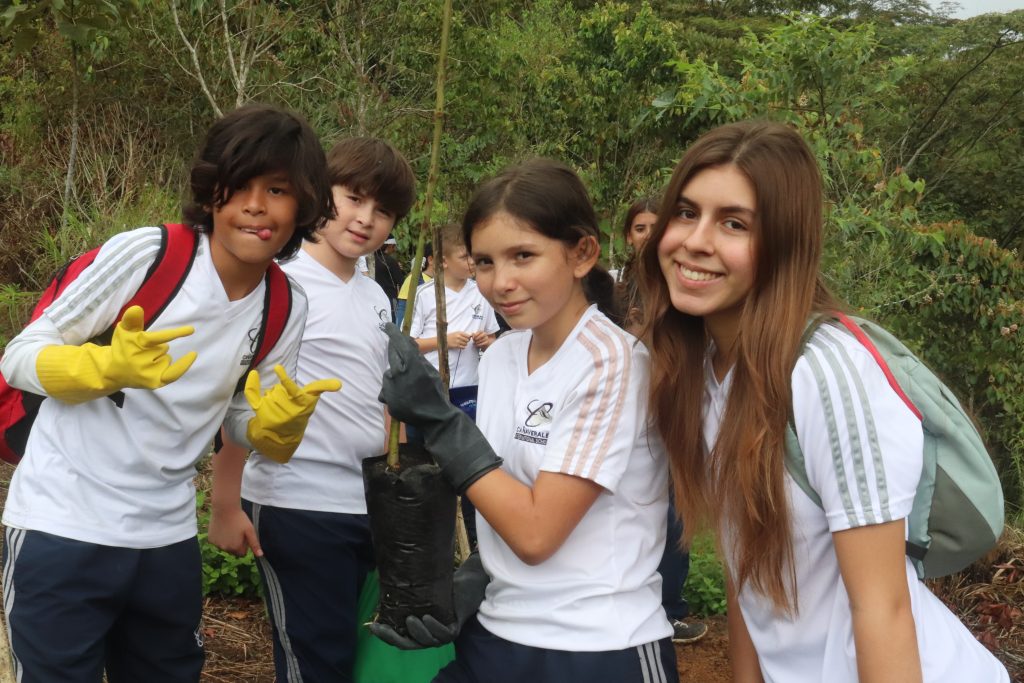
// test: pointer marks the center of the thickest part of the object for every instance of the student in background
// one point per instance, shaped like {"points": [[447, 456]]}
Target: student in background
{"points": [[472, 327], [471, 322], [387, 272], [636, 227], [426, 275], [816, 593]]}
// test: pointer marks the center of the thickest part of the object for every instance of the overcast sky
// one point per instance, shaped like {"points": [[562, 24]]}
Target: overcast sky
{"points": [[970, 8]]}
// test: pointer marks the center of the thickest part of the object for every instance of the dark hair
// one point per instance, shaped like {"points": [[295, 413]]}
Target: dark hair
{"points": [[253, 140], [642, 205], [548, 196], [374, 168], [628, 291]]}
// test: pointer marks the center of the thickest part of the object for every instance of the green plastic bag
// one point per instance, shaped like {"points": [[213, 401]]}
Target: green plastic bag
{"points": [[378, 662]]}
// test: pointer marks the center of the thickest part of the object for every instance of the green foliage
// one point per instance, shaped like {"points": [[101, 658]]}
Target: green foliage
{"points": [[914, 116], [223, 573], [15, 307], [963, 314], [150, 206], [705, 585], [82, 22], [956, 297]]}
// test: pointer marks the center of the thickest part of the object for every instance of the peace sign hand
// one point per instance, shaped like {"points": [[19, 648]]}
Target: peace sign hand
{"points": [[282, 412]]}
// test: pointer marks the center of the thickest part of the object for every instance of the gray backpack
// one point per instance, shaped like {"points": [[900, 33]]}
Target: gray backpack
{"points": [[957, 514]]}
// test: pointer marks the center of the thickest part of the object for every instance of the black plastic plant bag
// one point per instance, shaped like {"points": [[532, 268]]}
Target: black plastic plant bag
{"points": [[412, 521]]}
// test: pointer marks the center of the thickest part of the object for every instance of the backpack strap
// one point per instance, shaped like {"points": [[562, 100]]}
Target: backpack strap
{"points": [[178, 247], [277, 307], [866, 342]]}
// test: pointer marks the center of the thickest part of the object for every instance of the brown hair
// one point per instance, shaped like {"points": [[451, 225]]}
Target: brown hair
{"points": [[627, 291], [451, 238], [642, 205], [747, 492], [374, 168]]}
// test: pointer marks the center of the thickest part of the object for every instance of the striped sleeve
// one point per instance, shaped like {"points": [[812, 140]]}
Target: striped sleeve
{"points": [[87, 307], [861, 444], [593, 434]]}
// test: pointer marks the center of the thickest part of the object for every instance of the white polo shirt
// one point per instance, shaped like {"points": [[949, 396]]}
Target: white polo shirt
{"points": [[122, 475], [582, 413], [865, 462], [343, 338], [467, 311]]}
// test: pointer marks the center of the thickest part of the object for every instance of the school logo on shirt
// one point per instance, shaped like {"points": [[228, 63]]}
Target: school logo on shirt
{"points": [[535, 428], [254, 338], [477, 315], [384, 315]]}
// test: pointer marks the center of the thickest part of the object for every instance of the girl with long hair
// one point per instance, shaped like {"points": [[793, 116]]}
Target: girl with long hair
{"points": [[636, 228], [572, 526], [730, 282]]}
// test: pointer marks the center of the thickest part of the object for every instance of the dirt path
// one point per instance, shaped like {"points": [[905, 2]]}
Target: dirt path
{"points": [[707, 660], [238, 647]]}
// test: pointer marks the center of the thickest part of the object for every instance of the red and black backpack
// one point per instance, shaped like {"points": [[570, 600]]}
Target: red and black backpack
{"points": [[178, 246]]}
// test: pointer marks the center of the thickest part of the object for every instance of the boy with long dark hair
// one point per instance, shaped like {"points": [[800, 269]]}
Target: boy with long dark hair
{"points": [[102, 568]]}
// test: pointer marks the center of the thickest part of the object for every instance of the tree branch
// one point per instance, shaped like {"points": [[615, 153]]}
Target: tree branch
{"points": [[195, 60]]}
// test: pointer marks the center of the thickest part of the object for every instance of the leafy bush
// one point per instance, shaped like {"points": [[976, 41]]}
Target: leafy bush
{"points": [[705, 585], [963, 315], [223, 573]]}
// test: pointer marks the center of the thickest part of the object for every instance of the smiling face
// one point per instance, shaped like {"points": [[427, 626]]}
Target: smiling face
{"points": [[640, 229], [253, 225], [533, 281], [707, 253], [359, 227]]}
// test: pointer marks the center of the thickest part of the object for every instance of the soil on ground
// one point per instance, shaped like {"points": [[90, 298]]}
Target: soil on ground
{"points": [[238, 647], [988, 598]]}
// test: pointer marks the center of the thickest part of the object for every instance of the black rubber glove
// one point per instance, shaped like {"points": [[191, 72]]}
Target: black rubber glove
{"points": [[413, 393], [470, 584]]}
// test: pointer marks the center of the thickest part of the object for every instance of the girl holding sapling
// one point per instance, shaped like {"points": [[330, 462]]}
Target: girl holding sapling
{"points": [[571, 516]]}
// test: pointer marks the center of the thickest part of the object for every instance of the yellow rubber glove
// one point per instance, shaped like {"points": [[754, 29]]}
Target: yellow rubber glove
{"points": [[282, 413], [135, 359]]}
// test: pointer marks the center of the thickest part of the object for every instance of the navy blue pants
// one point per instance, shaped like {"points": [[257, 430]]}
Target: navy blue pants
{"points": [[313, 567], [674, 568], [482, 657], [75, 608]]}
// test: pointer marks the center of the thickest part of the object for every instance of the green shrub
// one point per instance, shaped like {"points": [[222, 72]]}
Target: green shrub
{"points": [[705, 585], [223, 573], [963, 314]]}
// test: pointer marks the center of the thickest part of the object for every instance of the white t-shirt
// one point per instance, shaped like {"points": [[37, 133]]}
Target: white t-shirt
{"points": [[865, 463], [122, 476], [582, 413], [468, 311], [344, 339]]}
